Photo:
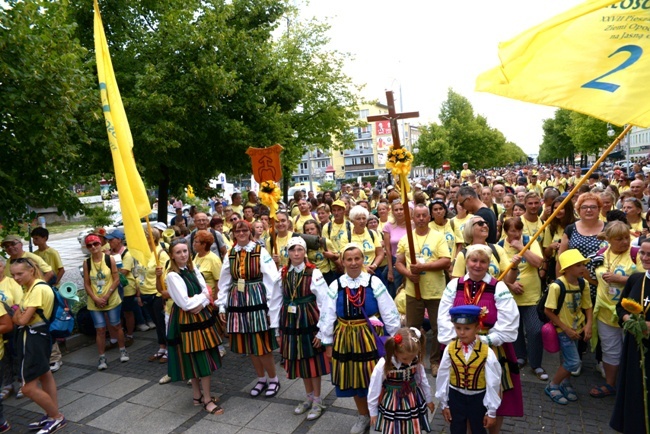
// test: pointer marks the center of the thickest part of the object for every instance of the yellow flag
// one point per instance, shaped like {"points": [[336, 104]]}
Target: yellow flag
{"points": [[134, 202], [594, 59]]}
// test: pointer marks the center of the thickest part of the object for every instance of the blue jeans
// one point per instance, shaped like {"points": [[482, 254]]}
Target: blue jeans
{"points": [[569, 352], [114, 317], [397, 279]]}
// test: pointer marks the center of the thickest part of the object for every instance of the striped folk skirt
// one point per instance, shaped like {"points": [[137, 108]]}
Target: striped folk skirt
{"points": [[354, 356], [193, 344], [402, 408], [247, 321], [301, 359]]}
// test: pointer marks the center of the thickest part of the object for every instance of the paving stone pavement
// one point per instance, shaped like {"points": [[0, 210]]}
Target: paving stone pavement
{"points": [[128, 399]]}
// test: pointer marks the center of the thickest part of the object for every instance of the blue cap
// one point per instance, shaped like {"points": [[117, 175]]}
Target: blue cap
{"points": [[467, 314], [116, 234]]}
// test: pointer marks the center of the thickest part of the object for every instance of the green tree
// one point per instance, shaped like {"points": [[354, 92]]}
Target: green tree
{"points": [[589, 135], [557, 144], [433, 146], [47, 105]]}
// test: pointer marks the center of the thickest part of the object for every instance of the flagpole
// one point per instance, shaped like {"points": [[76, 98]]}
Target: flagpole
{"points": [[152, 246], [533, 238]]}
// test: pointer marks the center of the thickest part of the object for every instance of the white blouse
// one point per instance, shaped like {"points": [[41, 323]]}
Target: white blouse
{"points": [[178, 291], [504, 330]]}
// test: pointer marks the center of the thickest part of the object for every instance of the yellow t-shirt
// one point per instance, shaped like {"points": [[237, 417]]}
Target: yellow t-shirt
{"points": [[636, 228], [464, 174], [609, 294], [571, 312], [149, 285], [10, 291], [300, 222], [530, 228], [560, 184], [459, 227], [428, 248], [367, 244], [495, 266], [101, 281], [239, 209], [528, 277], [317, 258], [40, 263], [3, 312], [537, 188], [51, 257], [448, 233], [128, 263], [338, 234], [283, 252], [210, 267], [40, 296], [549, 238]]}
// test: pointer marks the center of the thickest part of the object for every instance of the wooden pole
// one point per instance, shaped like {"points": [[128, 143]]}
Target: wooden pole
{"points": [[152, 246], [533, 238]]}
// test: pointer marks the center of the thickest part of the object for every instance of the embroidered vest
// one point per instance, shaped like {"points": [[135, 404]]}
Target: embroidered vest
{"points": [[245, 265], [468, 375]]}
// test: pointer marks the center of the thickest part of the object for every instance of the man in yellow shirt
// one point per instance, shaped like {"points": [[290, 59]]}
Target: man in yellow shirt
{"points": [[432, 258], [48, 254], [464, 174], [13, 245], [305, 215]]}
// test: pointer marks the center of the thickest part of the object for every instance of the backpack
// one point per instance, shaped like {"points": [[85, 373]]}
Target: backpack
{"points": [[634, 251], [494, 252], [85, 323], [348, 228], [541, 304], [107, 260], [61, 322]]}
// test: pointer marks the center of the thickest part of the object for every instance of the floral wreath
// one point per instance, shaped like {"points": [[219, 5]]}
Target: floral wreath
{"points": [[270, 195]]}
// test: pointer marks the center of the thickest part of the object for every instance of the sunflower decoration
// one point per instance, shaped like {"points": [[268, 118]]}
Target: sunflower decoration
{"points": [[399, 161], [270, 195]]}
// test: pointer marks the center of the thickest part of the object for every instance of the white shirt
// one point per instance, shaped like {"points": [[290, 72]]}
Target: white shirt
{"points": [[178, 291]]}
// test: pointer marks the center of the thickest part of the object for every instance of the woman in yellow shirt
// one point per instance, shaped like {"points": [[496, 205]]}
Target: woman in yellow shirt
{"points": [[33, 344], [207, 262], [633, 210], [278, 250], [370, 243], [441, 224], [101, 282], [321, 258], [526, 290]]}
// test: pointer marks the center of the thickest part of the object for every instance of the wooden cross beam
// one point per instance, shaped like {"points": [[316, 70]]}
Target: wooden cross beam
{"points": [[393, 117]]}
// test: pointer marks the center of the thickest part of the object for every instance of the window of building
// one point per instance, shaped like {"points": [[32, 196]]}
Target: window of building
{"points": [[363, 114]]}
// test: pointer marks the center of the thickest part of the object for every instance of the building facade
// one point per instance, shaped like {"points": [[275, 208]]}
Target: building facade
{"points": [[639, 141]]}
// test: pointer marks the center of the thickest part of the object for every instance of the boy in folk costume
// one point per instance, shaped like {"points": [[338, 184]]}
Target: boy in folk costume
{"points": [[469, 377]]}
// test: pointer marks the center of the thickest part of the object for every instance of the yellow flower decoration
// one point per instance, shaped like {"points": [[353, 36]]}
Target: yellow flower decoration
{"points": [[631, 306], [270, 195], [399, 161]]}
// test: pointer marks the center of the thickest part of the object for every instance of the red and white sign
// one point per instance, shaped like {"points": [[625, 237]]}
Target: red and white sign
{"points": [[382, 128]]}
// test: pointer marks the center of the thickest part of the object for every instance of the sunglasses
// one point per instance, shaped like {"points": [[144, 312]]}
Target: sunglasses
{"points": [[480, 223], [234, 219], [242, 231], [95, 244], [22, 261]]}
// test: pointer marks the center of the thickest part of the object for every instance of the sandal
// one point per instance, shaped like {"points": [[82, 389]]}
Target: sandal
{"points": [[163, 359], [6, 391], [316, 411], [302, 407], [556, 394], [541, 374], [270, 393], [602, 391], [156, 356], [260, 387], [216, 410], [568, 391]]}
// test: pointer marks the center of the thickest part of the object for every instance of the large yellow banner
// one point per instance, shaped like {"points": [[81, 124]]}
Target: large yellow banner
{"points": [[594, 59], [134, 202]]}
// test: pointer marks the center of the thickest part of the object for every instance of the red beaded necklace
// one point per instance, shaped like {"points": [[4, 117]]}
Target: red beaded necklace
{"points": [[468, 293], [357, 299]]}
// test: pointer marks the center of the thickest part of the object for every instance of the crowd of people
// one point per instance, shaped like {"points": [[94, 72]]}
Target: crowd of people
{"points": [[331, 282]]}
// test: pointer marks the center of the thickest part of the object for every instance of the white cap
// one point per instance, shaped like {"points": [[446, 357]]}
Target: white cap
{"points": [[418, 185], [160, 226], [296, 241]]}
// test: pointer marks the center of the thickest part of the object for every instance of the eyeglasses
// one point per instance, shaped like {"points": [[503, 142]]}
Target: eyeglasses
{"points": [[95, 244], [588, 207], [9, 244], [242, 231], [234, 219], [480, 223], [463, 201]]}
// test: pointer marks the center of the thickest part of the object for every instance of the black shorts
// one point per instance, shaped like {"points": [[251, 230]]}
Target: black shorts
{"points": [[34, 347]]}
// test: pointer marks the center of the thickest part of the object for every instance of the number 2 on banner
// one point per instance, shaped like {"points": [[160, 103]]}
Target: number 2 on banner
{"points": [[635, 54]]}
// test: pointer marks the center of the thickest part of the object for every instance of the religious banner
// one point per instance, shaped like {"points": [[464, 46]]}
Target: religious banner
{"points": [[383, 128], [383, 143], [266, 163], [594, 59]]}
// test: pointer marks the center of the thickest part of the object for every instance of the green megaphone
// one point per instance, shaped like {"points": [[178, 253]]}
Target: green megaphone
{"points": [[68, 290]]}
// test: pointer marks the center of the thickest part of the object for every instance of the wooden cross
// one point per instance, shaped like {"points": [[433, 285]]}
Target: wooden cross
{"points": [[393, 117]]}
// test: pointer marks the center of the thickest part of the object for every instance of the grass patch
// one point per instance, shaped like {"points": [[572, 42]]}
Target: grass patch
{"points": [[60, 227]]}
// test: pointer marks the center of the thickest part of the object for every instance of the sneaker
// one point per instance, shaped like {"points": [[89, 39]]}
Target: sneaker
{"points": [[164, 380], [53, 425], [222, 350], [360, 426], [128, 341], [40, 424], [20, 393], [142, 327], [55, 366], [316, 411], [302, 407], [124, 356], [151, 325], [599, 368], [102, 365], [5, 427]]}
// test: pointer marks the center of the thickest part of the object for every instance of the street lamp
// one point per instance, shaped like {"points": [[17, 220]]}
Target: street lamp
{"points": [[610, 131]]}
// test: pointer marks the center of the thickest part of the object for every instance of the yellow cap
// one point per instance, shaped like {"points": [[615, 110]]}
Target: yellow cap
{"points": [[571, 257]]}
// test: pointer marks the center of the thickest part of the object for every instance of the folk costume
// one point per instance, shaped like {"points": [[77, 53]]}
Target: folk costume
{"points": [[245, 288], [192, 339], [302, 295], [354, 353], [499, 330], [400, 398]]}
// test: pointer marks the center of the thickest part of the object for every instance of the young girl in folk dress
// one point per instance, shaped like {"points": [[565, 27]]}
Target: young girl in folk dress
{"points": [[299, 322], [399, 392]]}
